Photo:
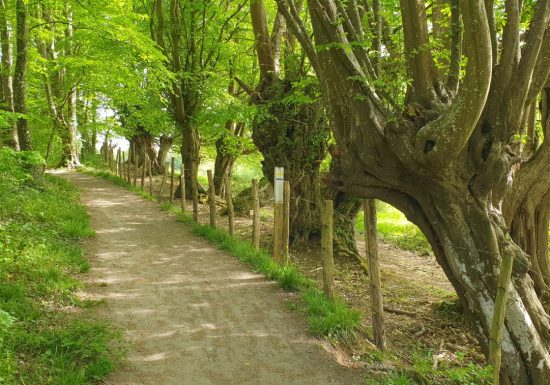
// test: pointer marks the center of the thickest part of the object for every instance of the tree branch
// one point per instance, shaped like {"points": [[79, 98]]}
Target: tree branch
{"points": [[524, 73], [441, 139]]}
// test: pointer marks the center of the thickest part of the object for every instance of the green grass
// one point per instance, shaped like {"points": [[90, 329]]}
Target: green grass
{"points": [[394, 228], [41, 225], [422, 372], [326, 317]]}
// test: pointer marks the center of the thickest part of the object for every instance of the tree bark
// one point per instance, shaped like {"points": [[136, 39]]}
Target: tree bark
{"points": [[445, 171], [20, 75], [9, 137], [69, 136], [69, 133]]}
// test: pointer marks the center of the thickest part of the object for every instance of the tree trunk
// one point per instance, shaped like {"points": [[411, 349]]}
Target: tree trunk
{"points": [[468, 240], [9, 137], [148, 143], [441, 161], [69, 133], [293, 135], [69, 136], [165, 145], [190, 155], [226, 154], [20, 76], [529, 223]]}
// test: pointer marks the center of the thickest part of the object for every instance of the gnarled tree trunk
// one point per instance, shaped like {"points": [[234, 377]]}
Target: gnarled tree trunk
{"points": [[293, 136], [445, 159]]}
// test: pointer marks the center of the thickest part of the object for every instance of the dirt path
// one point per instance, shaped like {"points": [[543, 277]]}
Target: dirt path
{"points": [[193, 315]]}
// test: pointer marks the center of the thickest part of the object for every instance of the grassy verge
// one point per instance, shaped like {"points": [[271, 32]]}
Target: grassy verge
{"points": [[394, 228], [44, 336], [326, 317]]}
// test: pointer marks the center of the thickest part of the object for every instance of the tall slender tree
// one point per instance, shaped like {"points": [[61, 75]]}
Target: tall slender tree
{"points": [[20, 75], [9, 135]]}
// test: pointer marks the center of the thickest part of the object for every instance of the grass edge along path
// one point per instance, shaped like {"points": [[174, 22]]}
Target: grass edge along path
{"points": [[46, 333], [326, 317]]}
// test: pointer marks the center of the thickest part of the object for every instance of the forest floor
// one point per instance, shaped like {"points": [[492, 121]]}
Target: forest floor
{"points": [[192, 314]]}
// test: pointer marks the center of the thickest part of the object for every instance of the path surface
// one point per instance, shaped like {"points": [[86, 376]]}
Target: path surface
{"points": [[193, 315]]}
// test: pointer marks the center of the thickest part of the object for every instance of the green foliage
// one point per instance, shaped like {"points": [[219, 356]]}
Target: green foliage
{"points": [[392, 379], [40, 227]]}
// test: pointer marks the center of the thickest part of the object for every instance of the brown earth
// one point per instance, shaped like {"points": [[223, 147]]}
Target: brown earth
{"points": [[192, 314]]}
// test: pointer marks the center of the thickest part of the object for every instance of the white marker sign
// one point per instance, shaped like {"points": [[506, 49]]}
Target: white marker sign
{"points": [[279, 182]]}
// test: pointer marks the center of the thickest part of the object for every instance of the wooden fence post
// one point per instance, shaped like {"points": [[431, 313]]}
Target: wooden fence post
{"points": [[143, 164], [163, 182], [117, 165], [182, 186], [326, 245], [286, 221], [128, 178], [150, 171], [255, 215], [111, 156], [195, 193], [172, 173], [229, 200], [371, 242], [499, 315], [211, 199], [278, 213]]}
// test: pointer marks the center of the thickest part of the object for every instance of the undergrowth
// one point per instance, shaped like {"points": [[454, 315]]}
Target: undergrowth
{"points": [[326, 317], [41, 225]]}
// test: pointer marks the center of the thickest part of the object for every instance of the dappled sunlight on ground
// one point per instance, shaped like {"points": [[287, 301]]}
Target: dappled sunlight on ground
{"points": [[192, 314]]}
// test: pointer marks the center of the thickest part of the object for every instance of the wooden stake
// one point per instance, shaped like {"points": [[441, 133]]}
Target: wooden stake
{"points": [[150, 171], [229, 200], [182, 186], [211, 199], [172, 174], [371, 242], [278, 214], [111, 156], [255, 215], [163, 182], [143, 170], [117, 165], [499, 315], [326, 245], [286, 221], [195, 193], [128, 179]]}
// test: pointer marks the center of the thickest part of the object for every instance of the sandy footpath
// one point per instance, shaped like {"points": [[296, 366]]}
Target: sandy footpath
{"points": [[193, 315]]}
